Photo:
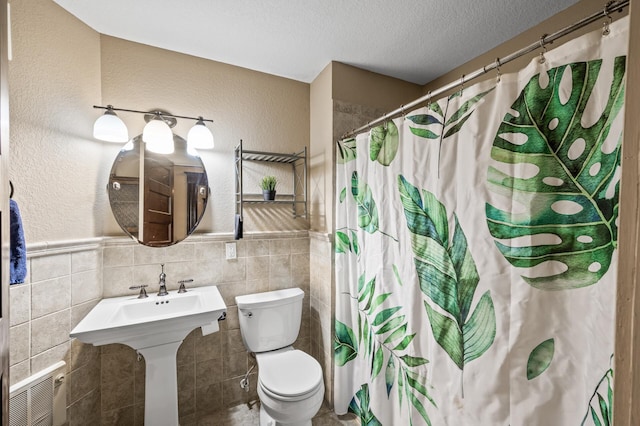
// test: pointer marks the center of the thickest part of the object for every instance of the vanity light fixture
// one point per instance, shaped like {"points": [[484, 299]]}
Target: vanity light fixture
{"points": [[110, 128], [199, 137], [157, 133]]}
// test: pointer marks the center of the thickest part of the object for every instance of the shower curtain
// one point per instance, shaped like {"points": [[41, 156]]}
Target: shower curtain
{"points": [[475, 250]]}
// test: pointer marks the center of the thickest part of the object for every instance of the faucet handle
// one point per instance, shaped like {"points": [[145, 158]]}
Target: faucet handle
{"points": [[143, 292], [182, 288]]}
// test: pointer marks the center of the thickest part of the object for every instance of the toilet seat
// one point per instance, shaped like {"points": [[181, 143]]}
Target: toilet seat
{"points": [[291, 375]]}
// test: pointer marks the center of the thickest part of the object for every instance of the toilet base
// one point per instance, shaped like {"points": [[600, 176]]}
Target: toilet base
{"points": [[267, 420]]}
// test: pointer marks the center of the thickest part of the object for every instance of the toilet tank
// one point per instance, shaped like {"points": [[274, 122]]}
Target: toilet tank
{"points": [[270, 320]]}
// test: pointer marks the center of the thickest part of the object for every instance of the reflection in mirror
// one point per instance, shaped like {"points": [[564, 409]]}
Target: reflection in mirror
{"points": [[174, 190]]}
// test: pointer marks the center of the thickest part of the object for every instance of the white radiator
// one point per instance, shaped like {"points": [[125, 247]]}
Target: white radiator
{"points": [[41, 399]]}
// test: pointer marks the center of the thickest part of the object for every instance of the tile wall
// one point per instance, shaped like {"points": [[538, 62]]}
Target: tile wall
{"points": [[63, 283], [106, 384], [322, 316]]}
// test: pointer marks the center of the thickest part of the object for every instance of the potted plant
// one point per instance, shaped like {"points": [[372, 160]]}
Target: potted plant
{"points": [[268, 185]]}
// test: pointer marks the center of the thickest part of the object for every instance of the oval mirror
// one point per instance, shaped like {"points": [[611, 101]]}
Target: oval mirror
{"points": [[173, 188]]}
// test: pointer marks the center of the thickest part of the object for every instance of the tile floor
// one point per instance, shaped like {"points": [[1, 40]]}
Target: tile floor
{"points": [[249, 415]]}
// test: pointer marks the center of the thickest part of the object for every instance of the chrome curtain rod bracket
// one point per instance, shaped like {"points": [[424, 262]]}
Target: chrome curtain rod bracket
{"points": [[611, 6], [152, 112]]}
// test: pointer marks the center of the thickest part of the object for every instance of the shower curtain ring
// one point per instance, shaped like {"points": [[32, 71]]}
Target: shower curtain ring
{"points": [[429, 100], [462, 84], [499, 74], [402, 110], [605, 26], [542, 59]]}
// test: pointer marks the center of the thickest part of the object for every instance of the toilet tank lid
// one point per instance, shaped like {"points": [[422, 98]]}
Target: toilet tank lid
{"points": [[271, 298]]}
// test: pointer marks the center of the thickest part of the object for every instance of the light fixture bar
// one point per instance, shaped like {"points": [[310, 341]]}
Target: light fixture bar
{"points": [[161, 113]]}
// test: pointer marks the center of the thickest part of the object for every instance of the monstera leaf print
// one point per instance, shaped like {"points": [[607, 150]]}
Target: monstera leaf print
{"points": [[600, 411], [383, 143], [448, 276], [561, 178], [383, 339]]}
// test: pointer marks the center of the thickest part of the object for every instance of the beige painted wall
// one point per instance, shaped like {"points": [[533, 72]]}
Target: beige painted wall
{"points": [[321, 151], [344, 97], [57, 169], [268, 113], [61, 68]]}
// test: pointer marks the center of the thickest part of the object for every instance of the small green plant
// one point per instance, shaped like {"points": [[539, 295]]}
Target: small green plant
{"points": [[268, 183]]}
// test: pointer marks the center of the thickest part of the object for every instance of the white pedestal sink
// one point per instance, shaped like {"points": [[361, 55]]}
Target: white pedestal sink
{"points": [[154, 326]]}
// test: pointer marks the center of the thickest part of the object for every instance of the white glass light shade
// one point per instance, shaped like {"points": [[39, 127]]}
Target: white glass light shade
{"points": [[158, 137], [109, 127], [200, 137]]}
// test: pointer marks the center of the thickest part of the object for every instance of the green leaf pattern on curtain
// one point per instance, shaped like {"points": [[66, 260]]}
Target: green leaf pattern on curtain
{"points": [[574, 194], [600, 411], [383, 340], [383, 143], [550, 196], [360, 407], [540, 358], [448, 276], [445, 126]]}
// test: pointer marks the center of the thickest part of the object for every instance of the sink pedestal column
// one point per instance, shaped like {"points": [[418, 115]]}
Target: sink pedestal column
{"points": [[161, 384]]}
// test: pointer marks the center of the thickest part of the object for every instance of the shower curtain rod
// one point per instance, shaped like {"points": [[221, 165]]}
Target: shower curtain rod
{"points": [[610, 7]]}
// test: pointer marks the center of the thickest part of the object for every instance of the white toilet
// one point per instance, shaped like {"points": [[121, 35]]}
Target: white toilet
{"points": [[290, 384]]}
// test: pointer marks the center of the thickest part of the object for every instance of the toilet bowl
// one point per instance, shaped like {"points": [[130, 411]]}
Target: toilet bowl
{"points": [[290, 387], [290, 383]]}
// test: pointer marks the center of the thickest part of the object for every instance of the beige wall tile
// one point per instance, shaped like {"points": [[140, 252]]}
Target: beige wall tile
{"points": [[257, 247], [186, 390], [229, 291], [82, 381], [50, 296], [86, 286], [116, 281], [279, 246], [19, 343], [20, 302], [209, 372], [210, 398], [183, 252], [257, 267], [211, 250], [187, 351], [208, 347], [300, 245], [235, 365], [233, 342], [82, 354], [49, 267], [234, 270], [117, 256], [280, 266], [80, 311], [86, 260], [47, 358], [143, 255], [19, 372], [50, 331], [117, 417], [86, 410]]}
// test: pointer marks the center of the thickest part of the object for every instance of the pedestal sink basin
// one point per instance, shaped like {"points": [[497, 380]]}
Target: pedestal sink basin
{"points": [[154, 326]]}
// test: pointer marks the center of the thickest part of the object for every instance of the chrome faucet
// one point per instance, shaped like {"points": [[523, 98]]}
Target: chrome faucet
{"points": [[163, 286]]}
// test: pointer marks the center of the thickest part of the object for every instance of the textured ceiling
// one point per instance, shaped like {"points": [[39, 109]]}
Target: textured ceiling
{"points": [[414, 40]]}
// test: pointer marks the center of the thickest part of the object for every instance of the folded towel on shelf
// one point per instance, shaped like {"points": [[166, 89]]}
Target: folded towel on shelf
{"points": [[18, 249]]}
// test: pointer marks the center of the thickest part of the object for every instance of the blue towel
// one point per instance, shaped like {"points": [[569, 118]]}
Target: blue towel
{"points": [[18, 250]]}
